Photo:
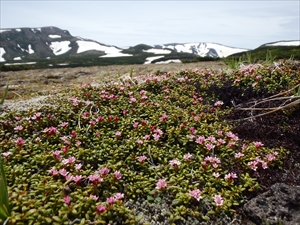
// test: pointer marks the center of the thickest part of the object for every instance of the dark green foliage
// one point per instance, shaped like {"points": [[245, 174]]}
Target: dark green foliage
{"points": [[260, 53]]}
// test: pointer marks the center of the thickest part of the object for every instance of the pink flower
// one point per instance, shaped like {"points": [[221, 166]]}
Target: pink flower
{"points": [[67, 199], [232, 136], [210, 147], [175, 163], [188, 156], [95, 178], [19, 128], [38, 140], [111, 200], [139, 142], [36, 116], [192, 137], [78, 143], [63, 172], [231, 144], [135, 124], [20, 141], [230, 176], [216, 175], [64, 124], [104, 171], [142, 158], [193, 130], [50, 131], [196, 194], [253, 165], [132, 100], [161, 184], [147, 137], [258, 144], [118, 175], [69, 177], [212, 139], [200, 140], [270, 157], [78, 166], [119, 196], [163, 118], [53, 171], [92, 123], [101, 209], [158, 131], [118, 134], [6, 154], [218, 200], [65, 140], [77, 178], [221, 141], [264, 165], [70, 160], [156, 136], [238, 155], [219, 104], [95, 197]]}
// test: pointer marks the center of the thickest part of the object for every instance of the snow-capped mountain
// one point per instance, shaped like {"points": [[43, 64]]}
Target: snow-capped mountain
{"points": [[48, 42], [50, 46], [204, 49]]}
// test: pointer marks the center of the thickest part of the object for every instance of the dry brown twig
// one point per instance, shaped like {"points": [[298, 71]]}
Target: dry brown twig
{"points": [[290, 101]]}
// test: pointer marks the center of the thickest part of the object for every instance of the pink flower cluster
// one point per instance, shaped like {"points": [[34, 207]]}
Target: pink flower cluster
{"points": [[161, 184], [211, 159], [196, 194], [255, 163], [175, 163]]}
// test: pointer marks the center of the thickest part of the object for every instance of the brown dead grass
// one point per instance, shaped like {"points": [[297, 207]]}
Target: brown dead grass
{"points": [[32, 83]]}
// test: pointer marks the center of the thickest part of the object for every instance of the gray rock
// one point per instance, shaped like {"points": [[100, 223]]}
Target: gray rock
{"points": [[279, 205]]}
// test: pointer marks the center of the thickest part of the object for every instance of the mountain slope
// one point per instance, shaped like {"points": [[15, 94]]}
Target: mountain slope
{"points": [[204, 49], [45, 42], [269, 51]]}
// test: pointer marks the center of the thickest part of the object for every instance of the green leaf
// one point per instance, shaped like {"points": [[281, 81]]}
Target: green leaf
{"points": [[4, 203], [4, 95], [30, 212]]}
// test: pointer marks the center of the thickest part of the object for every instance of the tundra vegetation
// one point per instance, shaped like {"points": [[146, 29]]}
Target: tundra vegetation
{"points": [[90, 154]]}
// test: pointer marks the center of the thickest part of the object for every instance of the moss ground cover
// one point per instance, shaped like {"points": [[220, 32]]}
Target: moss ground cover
{"points": [[99, 149]]}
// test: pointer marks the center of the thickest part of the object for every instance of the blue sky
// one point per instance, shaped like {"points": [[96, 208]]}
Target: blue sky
{"points": [[244, 24]]}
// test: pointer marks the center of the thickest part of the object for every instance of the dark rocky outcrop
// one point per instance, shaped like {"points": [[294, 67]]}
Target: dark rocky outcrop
{"points": [[279, 205]]}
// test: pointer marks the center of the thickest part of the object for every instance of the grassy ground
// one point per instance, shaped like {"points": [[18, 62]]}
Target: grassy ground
{"points": [[189, 146]]}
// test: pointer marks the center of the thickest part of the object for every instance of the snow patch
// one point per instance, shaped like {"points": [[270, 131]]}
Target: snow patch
{"points": [[54, 36], [23, 50], [110, 51], [18, 58], [2, 52], [204, 48], [150, 59], [19, 30], [285, 43], [13, 64], [34, 30], [1, 31], [169, 61], [30, 50], [60, 47], [157, 51]]}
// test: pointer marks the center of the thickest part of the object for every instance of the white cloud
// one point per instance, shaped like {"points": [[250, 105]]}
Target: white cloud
{"points": [[246, 24]]}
